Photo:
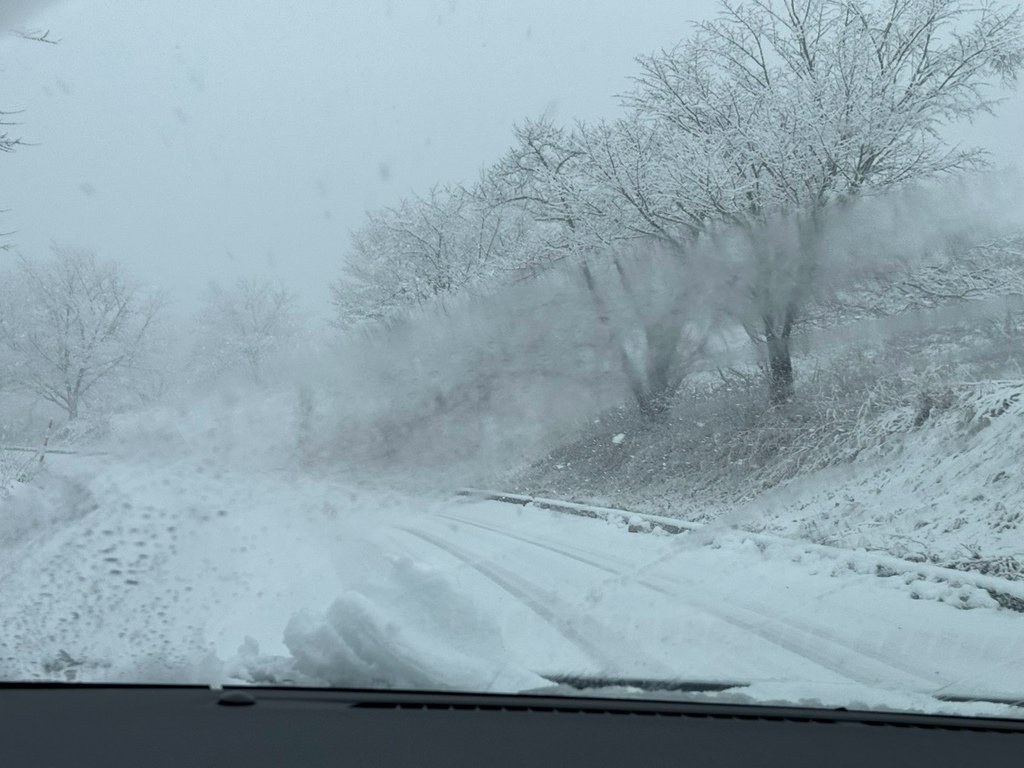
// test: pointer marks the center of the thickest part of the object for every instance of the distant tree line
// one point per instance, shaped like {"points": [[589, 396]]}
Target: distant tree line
{"points": [[73, 326]]}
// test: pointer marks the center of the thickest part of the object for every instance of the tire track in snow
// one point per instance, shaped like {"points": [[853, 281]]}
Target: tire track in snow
{"points": [[547, 606], [793, 637]]}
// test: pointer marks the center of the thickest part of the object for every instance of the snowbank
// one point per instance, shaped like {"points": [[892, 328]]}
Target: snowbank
{"points": [[45, 500], [412, 630]]}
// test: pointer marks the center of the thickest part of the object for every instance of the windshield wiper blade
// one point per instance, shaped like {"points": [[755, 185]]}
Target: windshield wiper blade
{"points": [[72, 684], [651, 685], [965, 699]]}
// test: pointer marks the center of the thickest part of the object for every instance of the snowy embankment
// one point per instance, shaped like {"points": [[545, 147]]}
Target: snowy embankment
{"points": [[949, 492], [192, 571], [933, 479], [961, 588]]}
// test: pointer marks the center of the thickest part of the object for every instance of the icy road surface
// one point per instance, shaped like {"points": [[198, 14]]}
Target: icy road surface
{"points": [[186, 574]]}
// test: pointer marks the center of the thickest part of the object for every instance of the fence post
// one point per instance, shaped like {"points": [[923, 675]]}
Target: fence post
{"points": [[46, 441]]}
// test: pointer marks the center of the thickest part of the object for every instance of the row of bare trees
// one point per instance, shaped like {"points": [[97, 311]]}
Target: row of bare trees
{"points": [[761, 127], [76, 330], [73, 326]]}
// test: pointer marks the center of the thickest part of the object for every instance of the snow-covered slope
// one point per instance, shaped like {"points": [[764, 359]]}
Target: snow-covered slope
{"points": [[950, 490]]}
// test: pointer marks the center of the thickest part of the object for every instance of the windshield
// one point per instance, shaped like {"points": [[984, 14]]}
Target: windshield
{"points": [[596, 348]]}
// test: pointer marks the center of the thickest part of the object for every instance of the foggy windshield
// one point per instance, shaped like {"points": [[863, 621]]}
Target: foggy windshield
{"points": [[575, 348]]}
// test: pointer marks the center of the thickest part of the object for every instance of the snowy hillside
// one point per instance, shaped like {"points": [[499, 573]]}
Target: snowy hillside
{"points": [[906, 436], [945, 489], [950, 491]]}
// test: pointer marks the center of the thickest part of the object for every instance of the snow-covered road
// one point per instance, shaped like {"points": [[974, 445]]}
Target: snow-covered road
{"points": [[186, 573]]}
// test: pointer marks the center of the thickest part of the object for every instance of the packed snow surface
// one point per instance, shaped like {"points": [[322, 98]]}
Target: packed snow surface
{"points": [[186, 572]]}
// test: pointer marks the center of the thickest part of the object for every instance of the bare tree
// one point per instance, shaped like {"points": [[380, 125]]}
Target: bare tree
{"points": [[246, 324], [71, 323], [799, 105], [653, 318], [590, 189], [422, 250], [540, 176], [593, 195]]}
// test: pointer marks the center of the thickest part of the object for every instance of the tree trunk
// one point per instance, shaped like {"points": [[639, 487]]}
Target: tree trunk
{"points": [[654, 406], [780, 369], [651, 379], [72, 396], [658, 387]]}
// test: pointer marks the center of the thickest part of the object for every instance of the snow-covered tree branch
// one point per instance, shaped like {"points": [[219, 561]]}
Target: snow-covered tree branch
{"points": [[424, 249]]}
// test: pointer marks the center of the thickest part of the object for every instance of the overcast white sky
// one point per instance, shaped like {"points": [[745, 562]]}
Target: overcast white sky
{"points": [[199, 140]]}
